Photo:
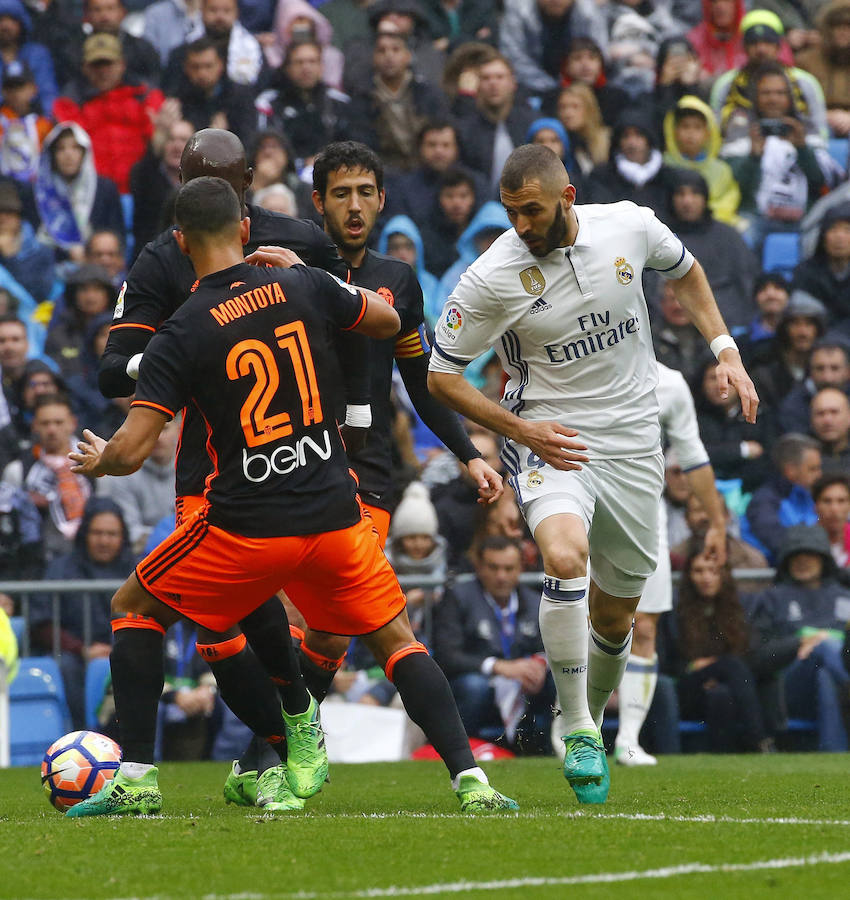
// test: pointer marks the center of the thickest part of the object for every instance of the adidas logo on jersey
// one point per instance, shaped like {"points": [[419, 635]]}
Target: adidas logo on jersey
{"points": [[539, 305]]}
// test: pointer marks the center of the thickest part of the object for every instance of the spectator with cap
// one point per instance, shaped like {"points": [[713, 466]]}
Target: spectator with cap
{"points": [[535, 37], [495, 122], [28, 260], [692, 141], [729, 264], [785, 499], [552, 133], [783, 361], [830, 417], [72, 199], [391, 108], [117, 115], [831, 494], [301, 104], [16, 44], [770, 295], [22, 127], [829, 63], [826, 274], [635, 169], [829, 366]]}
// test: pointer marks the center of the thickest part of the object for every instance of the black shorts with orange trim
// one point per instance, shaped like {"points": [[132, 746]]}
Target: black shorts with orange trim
{"points": [[215, 578]]}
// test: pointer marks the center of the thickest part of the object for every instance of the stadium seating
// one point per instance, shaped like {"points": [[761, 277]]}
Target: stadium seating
{"points": [[38, 712], [781, 253], [97, 674], [19, 624]]}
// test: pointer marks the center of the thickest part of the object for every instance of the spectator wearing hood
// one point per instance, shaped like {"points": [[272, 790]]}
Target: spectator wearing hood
{"points": [[301, 104], [72, 199], [830, 63], [729, 263], [783, 361], [692, 139], [89, 293], [585, 64], [29, 261], [798, 627], [829, 366], [401, 239], [552, 133], [101, 550], [296, 21], [776, 167], [535, 36], [450, 215], [785, 499], [635, 170], [735, 447], [826, 274], [117, 114], [16, 45]]}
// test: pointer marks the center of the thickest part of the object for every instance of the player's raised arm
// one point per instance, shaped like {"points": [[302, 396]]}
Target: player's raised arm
{"points": [[126, 450]]}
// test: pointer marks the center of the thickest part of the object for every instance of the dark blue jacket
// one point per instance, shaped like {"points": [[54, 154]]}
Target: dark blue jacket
{"points": [[776, 505], [35, 55]]}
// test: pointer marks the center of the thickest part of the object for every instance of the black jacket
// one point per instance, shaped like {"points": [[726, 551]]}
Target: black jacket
{"points": [[236, 101]]}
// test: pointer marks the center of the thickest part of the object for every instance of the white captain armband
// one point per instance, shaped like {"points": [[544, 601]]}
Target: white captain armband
{"points": [[358, 416], [133, 364]]}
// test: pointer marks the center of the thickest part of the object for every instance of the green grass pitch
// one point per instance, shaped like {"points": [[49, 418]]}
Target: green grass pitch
{"points": [[694, 827]]}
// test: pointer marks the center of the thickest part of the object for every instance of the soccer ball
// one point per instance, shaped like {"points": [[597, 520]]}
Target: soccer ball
{"points": [[77, 766]]}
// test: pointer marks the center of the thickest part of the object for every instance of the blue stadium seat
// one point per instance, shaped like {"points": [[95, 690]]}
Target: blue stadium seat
{"points": [[838, 150], [37, 710], [781, 253], [97, 674], [19, 625]]}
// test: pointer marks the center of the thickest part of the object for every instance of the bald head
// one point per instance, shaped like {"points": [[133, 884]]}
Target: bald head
{"points": [[218, 153], [534, 162]]}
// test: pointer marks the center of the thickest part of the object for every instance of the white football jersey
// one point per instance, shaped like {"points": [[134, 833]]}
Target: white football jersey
{"points": [[679, 418], [571, 329]]}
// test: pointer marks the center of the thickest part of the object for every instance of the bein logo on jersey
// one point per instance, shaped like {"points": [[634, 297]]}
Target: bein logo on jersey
{"points": [[284, 459]]}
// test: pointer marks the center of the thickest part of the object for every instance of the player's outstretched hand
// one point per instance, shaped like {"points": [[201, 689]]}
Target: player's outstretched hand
{"points": [[487, 479], [714, 545], [553, 443], [730, 370], [90, 450], [274, 256]]}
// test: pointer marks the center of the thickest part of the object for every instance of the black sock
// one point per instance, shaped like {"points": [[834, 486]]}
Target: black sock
{"points": [[317, 678], [245, 687], [428, 700], [249, 759], [137, 678], [267, 630]]}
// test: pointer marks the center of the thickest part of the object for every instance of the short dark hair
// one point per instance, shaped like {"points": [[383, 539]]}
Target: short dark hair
{"points": [[828, 343], [527, 163], [688, 112], [453, 177], [434, 125], [770, 67], [774, 278], [52, 400], [789, 449], [497, 542], [345, 155], [827, 481], [206, 205], [577, 44], [12, 318], [99, 231], [201, 45], [301, 42]]}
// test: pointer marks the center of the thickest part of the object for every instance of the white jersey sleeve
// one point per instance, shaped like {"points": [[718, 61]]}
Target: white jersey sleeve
{"points": [[679, 419], [665, 253], [471, 322]]}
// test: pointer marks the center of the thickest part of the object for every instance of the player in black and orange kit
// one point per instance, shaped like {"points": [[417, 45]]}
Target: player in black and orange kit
{"points": [[157, 284], [250, 351]]}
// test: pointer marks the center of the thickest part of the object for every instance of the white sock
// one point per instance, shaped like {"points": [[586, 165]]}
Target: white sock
{"points": [[476, 772], [134, 770], [563, 627], [636, 692], [606, 662]]}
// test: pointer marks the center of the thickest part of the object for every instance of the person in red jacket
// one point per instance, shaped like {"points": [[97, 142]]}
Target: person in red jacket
{"points": [[119, 116]]}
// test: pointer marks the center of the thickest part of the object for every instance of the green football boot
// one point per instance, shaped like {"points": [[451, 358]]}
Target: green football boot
{"points": [[477, 797], [122, 796], [306, 757], [586, 766], [274, 793], [241, 788]]}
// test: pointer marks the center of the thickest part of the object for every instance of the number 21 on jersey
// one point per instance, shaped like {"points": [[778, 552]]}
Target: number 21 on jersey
{"points": [[256, 357]]}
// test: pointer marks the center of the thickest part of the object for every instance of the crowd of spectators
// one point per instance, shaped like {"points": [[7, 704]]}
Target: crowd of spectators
{"points": [[729, 119]]}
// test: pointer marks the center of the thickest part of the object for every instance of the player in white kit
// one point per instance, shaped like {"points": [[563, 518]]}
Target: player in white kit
{"points": [[559, 298], [680, 430]]}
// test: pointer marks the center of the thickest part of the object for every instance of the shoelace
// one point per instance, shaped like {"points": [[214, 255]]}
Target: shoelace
{"points": [[271, 779], [309, 738], [587, 746]]}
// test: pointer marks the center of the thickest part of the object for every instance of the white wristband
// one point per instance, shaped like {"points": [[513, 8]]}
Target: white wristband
{"points": [[358, 416], [133, 364], [722, 342]]}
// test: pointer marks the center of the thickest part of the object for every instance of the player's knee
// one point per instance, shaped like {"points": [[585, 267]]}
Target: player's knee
{"points": [[565, 562], [331, 646], [613, 619]]}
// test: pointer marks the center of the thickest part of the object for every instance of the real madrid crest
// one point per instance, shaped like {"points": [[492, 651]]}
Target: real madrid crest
{"points": [[532, 280], [625, 273], [535, 479]]}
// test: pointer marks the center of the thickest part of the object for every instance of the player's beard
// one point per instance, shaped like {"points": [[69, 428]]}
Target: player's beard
{"points": [[345, 245], [555, 234]]}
